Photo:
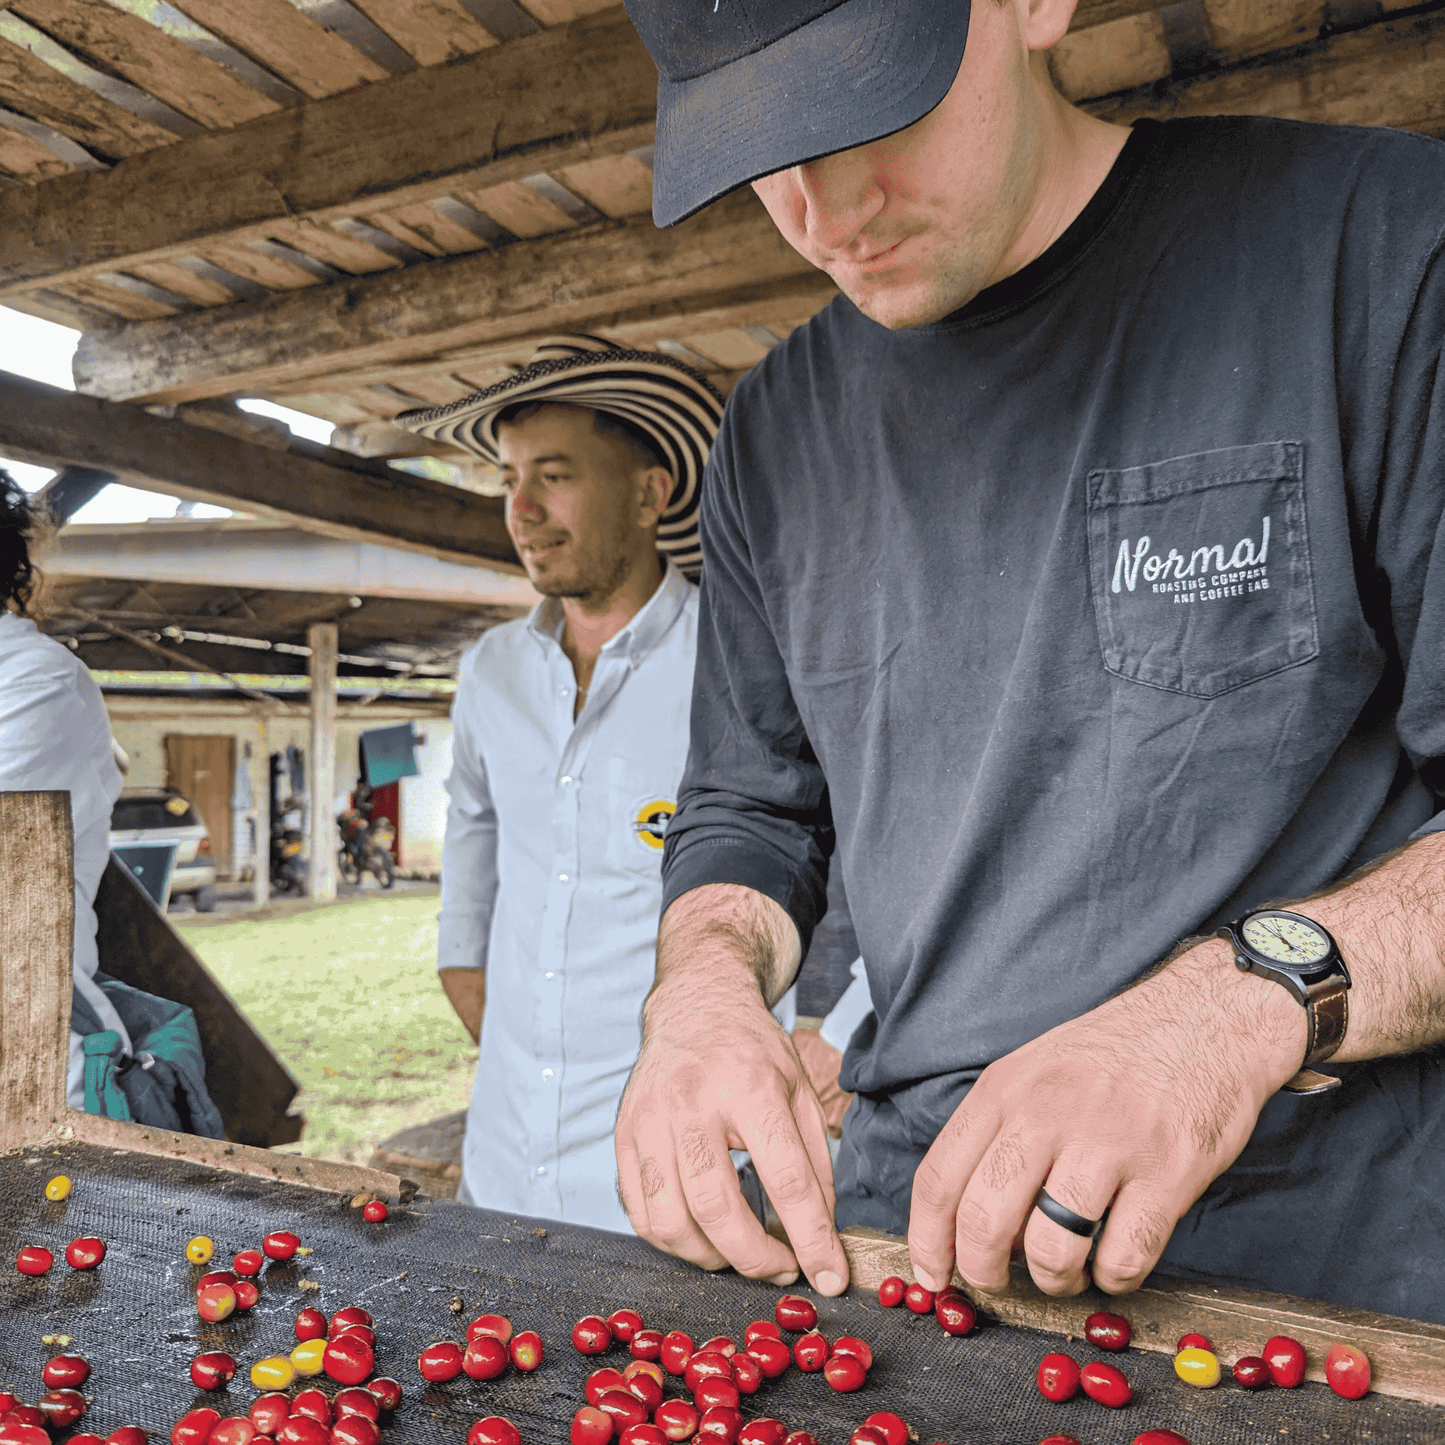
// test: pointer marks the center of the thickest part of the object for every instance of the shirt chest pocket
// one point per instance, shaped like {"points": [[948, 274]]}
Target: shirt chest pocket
{"points": [[1199, 567], [640, 805]]}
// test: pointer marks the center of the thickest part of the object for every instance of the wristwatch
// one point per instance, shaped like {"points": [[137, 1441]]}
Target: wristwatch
{"points": [[1301, 956]]}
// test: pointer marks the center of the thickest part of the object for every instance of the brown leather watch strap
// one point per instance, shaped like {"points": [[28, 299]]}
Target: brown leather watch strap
{"points": [[1328, 1015]]}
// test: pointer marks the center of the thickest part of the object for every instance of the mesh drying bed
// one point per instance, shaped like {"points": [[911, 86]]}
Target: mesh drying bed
{"points": [[134, 1319]]}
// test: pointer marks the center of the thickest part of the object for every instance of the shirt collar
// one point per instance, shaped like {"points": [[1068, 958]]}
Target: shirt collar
{"points": [[641, 636]]}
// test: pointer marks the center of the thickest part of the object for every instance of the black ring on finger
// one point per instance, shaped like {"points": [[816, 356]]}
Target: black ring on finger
{"points": [[1061, 1214]]}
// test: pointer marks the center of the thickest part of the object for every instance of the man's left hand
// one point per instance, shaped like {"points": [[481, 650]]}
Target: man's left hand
{"points": [[1134, 1107]]}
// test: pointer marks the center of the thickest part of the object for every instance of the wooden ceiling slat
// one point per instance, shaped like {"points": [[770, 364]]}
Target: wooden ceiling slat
{"points": [[438, 390], [63, 310], [28, 159], [160, 65], [267, 271], [427, 229], [439, 309], [277, 35], [519, 209], [543, 102], [1101, 12], [200, 289], [432, 32], [615, 185], [124, 305], [345, 253], [31, 87], [732, 348], [559, 12]]}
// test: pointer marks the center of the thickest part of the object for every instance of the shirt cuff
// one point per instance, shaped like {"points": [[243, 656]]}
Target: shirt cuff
{"points": [[700, 861], [850, 1011]]}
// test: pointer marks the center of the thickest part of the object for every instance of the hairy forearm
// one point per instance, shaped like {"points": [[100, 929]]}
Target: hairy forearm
{"points": [[1389, 921], [723, 938]]}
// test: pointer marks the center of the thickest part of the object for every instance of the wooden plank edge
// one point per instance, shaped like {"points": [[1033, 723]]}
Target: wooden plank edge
{"points": [[1407, 1357], [325, 1175]]}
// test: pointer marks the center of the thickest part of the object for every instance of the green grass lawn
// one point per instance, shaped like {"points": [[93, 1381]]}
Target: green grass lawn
{"points": [[348, 997]]}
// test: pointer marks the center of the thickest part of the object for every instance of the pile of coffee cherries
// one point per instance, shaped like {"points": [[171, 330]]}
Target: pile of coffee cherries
{"points": [[629, 1405], [1282, 1362], [59, 1408], [491, 1346]]}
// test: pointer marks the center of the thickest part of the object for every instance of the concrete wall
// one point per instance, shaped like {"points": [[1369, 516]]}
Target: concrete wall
{"points": [[141, 723]]}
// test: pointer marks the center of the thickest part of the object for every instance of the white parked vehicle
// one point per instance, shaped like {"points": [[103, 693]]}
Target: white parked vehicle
{"points": [[157, 815]]}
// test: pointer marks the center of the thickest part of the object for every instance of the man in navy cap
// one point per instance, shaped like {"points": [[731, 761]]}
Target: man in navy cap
{"points": [[1073, 585]]}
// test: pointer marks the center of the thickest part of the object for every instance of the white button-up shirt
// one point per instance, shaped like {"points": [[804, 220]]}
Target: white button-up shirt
{"points": [[55, 735], [551, 881]]}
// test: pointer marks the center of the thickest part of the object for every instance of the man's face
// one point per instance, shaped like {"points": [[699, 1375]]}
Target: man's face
{"points": [[572, 504], [913, 226]]}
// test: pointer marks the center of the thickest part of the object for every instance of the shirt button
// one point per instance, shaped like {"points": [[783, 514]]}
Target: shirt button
{"points": [[551, 975], [546, 1073], [541, 1169], [566, 781], [561, 877]]}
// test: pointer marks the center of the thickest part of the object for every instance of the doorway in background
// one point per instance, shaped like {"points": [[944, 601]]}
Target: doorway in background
{"points": [[203, 769]]}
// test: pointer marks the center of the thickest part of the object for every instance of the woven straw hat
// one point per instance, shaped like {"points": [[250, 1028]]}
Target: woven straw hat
{"points": [[667, 399]]}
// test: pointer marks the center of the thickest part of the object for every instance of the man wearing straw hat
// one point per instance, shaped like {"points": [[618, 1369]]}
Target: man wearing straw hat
{"points": [[570, 733], [1076, 580]]}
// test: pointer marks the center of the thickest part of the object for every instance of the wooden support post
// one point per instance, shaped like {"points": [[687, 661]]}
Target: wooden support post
{"points": [[37, 927], [321, 766], [261, 878]]}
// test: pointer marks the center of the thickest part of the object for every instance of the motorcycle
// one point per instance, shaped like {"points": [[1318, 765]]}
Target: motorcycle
{"points": [[288, 848], [365, 846]]}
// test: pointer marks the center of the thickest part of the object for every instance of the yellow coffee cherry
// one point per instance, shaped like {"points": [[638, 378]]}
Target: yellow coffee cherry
{"points": [[58, 1188], [1197, 1367], [273, 1373], [308, 1357], [200, 1250]]}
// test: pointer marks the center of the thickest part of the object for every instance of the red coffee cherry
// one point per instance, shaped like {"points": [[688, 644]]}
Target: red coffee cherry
{"points": [[84, 1253], [1108, 1332], [867, 1435], [374, 1211], [485, 1358], [440, 1362], [623, 1408], [761, 1329], [811, 1352], [362, 1332], [22, 1432], [498, 1326], [1058, 1378], [706, 1365], [1106, 1384], [718, 1345], [747, 1374], [63, 1372], [590, 1427], [34, 1259], [217, 1276], [591, 1335], [246, 1295], [385, 1391], [61, 1408], [624, 1324], [918, 1299], [677, 1350], [711, 1393], [645, 1344], [1285, 1357], [213, 1370], [954, 1313], [1161, 1437], [216, 1302], [526, 1350], [1348, 1371], [602, 1380], [773, 1356], [281, 1245], [310, 1325], [845, 1373], [891, 1291], [314, 1405], [355, 1430], [892, 1427], [348, 1360], [677, 1419], [763, 1432], [303, 1430], [646, 1389], [852, 1345], [1194, 1342], [801, 1437], [356, 1401], [1251, 1372], [194, 1427], [268, 1412], [351, 1315], [793, 1312], [494, 1430], [645, 1434], [247, 1264], [721, 1424]]}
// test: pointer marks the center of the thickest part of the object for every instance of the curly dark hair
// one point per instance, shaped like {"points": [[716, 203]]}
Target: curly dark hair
{"points": [[17, 519]]}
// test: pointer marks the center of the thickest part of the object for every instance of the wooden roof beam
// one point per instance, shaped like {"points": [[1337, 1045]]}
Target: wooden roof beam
{"points": [[550, 100], [284, 478], [608, 275]]}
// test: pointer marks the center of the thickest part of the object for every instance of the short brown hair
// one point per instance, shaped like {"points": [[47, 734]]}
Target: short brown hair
{"points": [[18, 518], [643, 449]]}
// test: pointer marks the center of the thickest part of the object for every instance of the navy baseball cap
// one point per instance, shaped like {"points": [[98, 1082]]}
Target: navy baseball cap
{"points": [[748, 87]]}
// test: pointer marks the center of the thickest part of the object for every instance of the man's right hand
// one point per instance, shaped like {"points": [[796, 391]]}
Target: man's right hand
{"points": [[717, 1072]]}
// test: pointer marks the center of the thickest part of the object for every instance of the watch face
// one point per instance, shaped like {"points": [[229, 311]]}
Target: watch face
{"points": [[1295, 942]]}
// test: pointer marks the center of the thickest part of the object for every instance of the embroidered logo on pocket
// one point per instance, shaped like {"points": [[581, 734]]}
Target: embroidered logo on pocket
{"points": [[1200, 568], [650, 820]]}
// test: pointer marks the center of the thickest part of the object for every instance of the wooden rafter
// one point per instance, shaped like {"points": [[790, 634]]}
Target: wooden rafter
{"points": [[288, 479], [559, 98], [718, 269]]}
